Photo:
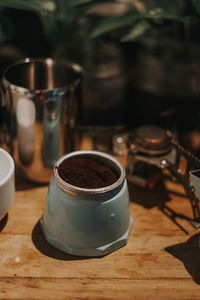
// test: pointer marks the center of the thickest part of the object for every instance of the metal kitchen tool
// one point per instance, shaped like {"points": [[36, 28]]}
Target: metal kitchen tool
{"points": [[152, 146], [148, 146], [192, 163], [41, 104]]}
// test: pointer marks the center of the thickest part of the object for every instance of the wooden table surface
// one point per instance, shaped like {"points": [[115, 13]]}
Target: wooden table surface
{"points": [[160, 261]]}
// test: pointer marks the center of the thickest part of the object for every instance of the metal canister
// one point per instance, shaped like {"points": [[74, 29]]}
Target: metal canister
{"points": [[41, 108]]}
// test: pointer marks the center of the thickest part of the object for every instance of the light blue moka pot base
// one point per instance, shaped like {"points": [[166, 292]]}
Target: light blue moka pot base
{"points": [[87, 222]]}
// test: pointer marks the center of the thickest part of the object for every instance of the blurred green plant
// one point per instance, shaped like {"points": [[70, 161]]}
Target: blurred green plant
{"points": [[64, 23], [73, 27], [150, 23]]}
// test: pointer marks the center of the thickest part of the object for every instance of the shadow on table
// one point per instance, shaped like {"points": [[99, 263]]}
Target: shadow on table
{"points": [[22, 183], [158, 197], [44, 247], [189, 254], [174, 216], [148, 198], [3, 222]]}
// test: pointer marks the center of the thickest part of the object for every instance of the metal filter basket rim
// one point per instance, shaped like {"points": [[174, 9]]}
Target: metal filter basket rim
{"points": [[97, 193]]}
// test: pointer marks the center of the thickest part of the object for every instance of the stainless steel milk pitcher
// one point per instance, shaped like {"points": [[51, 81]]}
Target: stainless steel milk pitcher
{"points": [[41, 106]]}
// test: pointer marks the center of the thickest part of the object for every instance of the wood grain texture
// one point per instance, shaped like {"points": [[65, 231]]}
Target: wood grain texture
{"points": [[160, 261]]}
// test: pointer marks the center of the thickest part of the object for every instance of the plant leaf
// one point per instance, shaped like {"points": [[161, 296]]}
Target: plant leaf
{"points": [[158, 14], [110, 23], [45, 9], [196, 4], [177, 7], [75, 3], [33, 5], [138, 30]]}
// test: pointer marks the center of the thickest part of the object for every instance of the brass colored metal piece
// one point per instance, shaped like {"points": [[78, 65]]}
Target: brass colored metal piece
{"points": [[153, 146], [151, 140]]}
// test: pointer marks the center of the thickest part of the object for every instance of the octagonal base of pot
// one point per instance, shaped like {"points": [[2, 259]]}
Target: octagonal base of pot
{"points": [[86, 251]]}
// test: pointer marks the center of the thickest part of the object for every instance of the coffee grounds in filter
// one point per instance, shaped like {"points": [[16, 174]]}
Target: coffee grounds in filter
{"points": [[86, 172]]}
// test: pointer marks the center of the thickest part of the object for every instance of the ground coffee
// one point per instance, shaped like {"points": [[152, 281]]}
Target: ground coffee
{"points": [[86, 172]]}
